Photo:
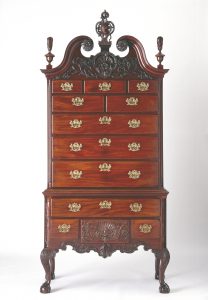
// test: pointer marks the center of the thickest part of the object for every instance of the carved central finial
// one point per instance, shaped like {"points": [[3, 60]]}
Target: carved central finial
{"points": [[104, 29]]}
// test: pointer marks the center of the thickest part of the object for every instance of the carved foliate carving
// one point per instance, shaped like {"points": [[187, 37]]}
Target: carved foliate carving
{"points": [[104, 230], [105, 65]]}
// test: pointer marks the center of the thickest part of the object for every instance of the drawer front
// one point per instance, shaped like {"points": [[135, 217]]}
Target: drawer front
{"points": [[67, 86], [63, 229], [105, 146], [105, 123], [105, 231], [104, 207], [143, 86], [105, 86], [132, 103], [145, 229], [78, 103], [104, 174]]}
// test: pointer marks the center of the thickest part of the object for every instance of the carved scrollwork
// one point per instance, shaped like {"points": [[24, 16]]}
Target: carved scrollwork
{"points": [[122, 45], [87, 44]]}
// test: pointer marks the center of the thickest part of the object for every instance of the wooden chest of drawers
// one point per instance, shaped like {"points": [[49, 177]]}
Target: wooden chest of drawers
{"points": [[105, 166]]}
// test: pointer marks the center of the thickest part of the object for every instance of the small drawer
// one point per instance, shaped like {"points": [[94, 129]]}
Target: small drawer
{"points": [[105, 86], [145, 229], [132, 103], [104, 207], [67, 86], [143, 86], [105, 231], [105, 146], [78, 103], [63, 229]]}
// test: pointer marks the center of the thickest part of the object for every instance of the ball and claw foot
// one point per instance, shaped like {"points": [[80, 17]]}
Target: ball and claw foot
{"points": [[164, 288], [45, 288]]}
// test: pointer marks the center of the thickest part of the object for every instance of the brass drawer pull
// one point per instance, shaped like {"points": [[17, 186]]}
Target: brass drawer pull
{"points": [[104, 86], [75, 174], [104, 142], [134, 123], [134, 174], [105, 204], [67, 86], [75, 123], [74, 207], [77, 101], [142, 86], [135, 207], [75, 147], [145, 228], [105, 120], [132, 101], [64, 228], [105, 167], [134, 146]]}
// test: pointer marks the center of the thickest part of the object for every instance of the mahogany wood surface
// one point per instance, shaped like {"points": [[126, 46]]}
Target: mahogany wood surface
{"points": [[116, 86], [91, 124], [91, 147], [137, 233], [90, 207]]}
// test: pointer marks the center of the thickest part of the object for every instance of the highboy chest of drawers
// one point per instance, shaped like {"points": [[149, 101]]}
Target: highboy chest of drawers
{"points": [[105, 158]]}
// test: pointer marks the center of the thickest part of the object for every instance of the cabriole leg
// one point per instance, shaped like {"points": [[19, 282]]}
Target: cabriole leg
{"points": [[157, 264], [164, 260], [47, 257]]}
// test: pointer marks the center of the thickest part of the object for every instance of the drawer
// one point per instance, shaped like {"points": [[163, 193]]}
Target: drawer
{"points": [[105, 231], [67, 86], [104, 207], [63, 229], [104, 123], [78, 103], [132, 103], [105, 86], [104, 174], [105, 146], [145, 229], [143, 86]]}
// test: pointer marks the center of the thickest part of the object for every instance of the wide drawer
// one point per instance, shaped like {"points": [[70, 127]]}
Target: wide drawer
{"points": [[77, 103], [67, 86], [105, 146], [63, 229], [105, 123], [145, 229], [105, 86], [104, 174], [104, 207], [132, 103], [143, 86]]}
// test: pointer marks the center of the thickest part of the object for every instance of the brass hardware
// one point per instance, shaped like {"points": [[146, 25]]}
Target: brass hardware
{"points": [[64, 228], [74, 207], [145, 228], [67, 86], [134, 174], [105, 142], [134, 123], [132, 101], [135, 207], [105, 167], [142, 86], [76, 123], [105, 86], [75, 174], [77, 101], [105, 120], [134, 146], [75, 147], [105, 204]]}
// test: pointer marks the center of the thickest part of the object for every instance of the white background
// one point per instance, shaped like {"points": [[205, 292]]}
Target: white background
{"points": [[24, 27]]}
